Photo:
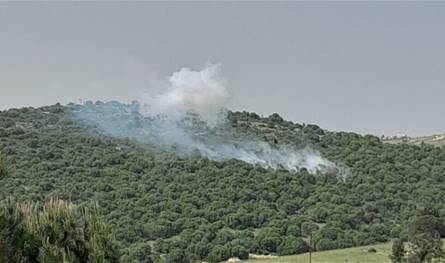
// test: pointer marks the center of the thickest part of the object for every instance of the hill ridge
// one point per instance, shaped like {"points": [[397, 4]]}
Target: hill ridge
{"points": [[167, 207]]}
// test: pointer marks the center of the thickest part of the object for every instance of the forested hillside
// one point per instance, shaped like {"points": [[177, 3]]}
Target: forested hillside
{"points": [[162, 206]]}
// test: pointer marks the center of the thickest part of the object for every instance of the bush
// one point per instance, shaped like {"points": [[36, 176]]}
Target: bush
{"points": [[240, 252], [292, 245], [218, 253], [325, 244], [3, 170], [372, 250], [268, 240], [177, 256], [141, 252]]}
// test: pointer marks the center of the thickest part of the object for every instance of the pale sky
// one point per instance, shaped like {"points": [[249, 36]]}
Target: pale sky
{"points": [[374, 68]]}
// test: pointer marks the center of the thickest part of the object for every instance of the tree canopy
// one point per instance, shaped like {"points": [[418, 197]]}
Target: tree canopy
{"points": [[165, 207]]}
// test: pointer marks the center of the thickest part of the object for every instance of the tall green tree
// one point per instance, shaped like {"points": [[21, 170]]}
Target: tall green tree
{"points": [[424, 234], [425, 248]]}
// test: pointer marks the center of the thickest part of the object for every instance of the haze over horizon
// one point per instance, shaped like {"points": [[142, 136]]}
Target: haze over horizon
{"points": [[374, 68]]}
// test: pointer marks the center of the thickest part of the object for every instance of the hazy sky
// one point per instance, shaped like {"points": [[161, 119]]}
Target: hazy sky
{"points": [[365, 67]]}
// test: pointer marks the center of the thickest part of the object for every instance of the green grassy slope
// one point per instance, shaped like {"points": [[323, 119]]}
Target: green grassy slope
{"points": [[355, 255]]}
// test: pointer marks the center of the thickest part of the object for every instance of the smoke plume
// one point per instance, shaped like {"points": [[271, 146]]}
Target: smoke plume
{"points": [[201, 92], [190, 118]]}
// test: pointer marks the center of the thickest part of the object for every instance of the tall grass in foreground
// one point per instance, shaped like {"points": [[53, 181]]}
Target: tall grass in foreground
{"points": [[53, 233]]}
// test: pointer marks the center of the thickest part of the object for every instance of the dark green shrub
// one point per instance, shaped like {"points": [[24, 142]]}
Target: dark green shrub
{"points": [[3, 170], [292, 245], [325, 244], [177, 256], [372, 250], [240, 252], [218, 253]]}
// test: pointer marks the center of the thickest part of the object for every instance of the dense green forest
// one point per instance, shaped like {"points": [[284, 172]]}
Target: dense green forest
{"points": [[165, 207]]}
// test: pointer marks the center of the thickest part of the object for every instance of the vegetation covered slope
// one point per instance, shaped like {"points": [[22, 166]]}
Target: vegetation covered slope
{"points": [[163, 207]]}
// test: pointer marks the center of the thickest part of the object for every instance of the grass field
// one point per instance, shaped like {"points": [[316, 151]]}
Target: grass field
{"points": [[352, 255]]}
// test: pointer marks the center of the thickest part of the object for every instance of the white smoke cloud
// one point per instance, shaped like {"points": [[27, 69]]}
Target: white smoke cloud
{"points": [[203, 92], [164, 120]]}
